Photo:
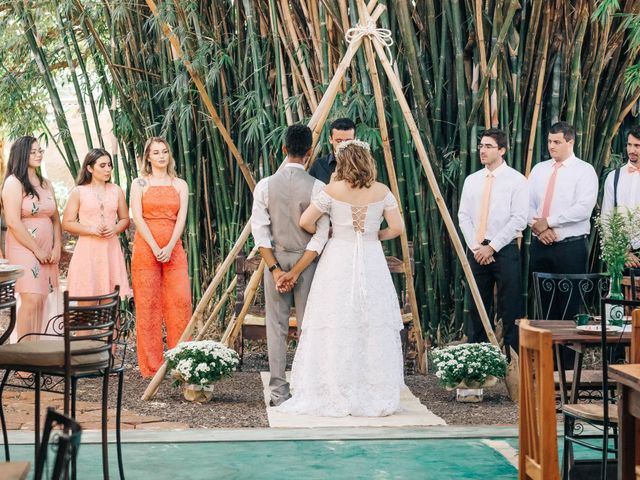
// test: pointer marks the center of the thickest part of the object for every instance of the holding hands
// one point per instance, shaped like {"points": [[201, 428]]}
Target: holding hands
{"points": [[285, 280]]}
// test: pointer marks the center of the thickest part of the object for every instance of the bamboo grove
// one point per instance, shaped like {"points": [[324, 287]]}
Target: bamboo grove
{"points": [[465, 64]]}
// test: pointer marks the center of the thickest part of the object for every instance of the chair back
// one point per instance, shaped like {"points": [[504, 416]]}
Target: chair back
{"points": [[561, 296], [61, 434], [634, 275], [89, 324], [635, 336], [538, 457]]}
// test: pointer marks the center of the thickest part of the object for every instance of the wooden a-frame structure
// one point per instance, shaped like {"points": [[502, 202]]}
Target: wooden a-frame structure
{"points": [[364, 33]]}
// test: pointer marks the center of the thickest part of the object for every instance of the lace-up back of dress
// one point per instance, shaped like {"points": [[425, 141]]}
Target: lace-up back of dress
{"points": [[358, 217]]}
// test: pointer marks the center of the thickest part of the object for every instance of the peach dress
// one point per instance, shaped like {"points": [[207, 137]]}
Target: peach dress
{"points": [[40, 278], [97, 265]]}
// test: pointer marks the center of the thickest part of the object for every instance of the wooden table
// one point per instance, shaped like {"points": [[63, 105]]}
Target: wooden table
{"points": [[628, 378], [565, 335], [14, 470]]}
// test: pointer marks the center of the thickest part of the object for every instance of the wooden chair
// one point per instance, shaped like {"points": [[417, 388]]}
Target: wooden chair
{"points": [[253, 326], [635, 336], [538, 457]]}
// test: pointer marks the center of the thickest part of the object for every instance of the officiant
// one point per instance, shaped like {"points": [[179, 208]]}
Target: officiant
{"points": [[342, 129]]}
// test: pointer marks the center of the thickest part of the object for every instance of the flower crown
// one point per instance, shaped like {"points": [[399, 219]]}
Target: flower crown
{"points": [[358, 143]]}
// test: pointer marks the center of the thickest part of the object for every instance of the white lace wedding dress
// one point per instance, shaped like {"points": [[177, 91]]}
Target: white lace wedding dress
{"points": [[349, 359]]}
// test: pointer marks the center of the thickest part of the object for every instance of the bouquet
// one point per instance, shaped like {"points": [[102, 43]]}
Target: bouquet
{"points": [[202, 362], [470, 365]]}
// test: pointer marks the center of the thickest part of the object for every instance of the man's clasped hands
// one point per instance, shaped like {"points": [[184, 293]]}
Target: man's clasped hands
{"points": [[285, 281]]}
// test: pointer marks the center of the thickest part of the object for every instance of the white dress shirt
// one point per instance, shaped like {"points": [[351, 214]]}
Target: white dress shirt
{"points": [[628, 195], [261, 221], [574, 197], [628, 191], [508, 206]]}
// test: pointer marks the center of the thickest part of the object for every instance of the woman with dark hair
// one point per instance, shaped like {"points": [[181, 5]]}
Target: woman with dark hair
{"points": [[159, 274], [34, 235], [97, 212]]}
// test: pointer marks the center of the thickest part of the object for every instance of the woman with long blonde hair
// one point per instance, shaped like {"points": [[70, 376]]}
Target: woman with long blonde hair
{"points": [[160, 278], [349, 359]]}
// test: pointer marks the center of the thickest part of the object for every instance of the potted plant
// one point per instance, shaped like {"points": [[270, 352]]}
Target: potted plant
{"points": [[617, 230], [196, 365], [469, 367]]}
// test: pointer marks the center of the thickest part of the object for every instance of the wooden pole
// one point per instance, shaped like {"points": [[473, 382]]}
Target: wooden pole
{"points": [[152, 388], [232, 333], [437, 195], [217, 308], [393, 181]]}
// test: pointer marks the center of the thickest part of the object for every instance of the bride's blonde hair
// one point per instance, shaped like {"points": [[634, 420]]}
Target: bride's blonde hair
{"points": [[355, 165]]}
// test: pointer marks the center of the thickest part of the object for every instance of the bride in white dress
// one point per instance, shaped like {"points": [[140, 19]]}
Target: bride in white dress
{"points": [[349, 359]]}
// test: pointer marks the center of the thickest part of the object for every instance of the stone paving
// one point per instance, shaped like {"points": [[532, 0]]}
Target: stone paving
{"points": [[19, 411]]}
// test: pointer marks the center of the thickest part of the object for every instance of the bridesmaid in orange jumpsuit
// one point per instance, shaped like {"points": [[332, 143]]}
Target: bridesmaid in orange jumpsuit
{"points": [[159, 202]]}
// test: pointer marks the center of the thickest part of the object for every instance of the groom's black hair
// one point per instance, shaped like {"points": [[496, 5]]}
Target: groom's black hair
{"points": [[298, 140]]}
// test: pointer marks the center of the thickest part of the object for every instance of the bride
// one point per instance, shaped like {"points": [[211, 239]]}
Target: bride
{"points": [[349, 359]]}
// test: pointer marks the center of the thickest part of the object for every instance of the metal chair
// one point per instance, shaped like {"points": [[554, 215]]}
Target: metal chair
{"points": [[603, 415], [560, 296], [634, 276], [81, 346], [64, 433]]}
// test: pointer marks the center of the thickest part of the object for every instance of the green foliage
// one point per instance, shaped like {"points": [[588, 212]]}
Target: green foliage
{"points": [[617, 231]]}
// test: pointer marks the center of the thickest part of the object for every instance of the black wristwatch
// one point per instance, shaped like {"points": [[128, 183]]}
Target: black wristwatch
{"points": [[274, 266]]}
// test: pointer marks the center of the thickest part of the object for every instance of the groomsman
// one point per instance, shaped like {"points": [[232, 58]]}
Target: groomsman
{"points": [[342, 129], [563, 192], [493, 213], [622, 188]]}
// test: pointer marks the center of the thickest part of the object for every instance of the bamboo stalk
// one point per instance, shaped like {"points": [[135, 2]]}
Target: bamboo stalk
{"points": [[393, 181]]}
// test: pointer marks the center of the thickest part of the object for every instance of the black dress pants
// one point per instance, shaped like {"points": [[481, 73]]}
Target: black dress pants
{"points": [[568, 257], [505, 272]]}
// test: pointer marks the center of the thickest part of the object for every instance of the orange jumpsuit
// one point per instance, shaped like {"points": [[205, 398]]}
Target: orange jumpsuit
{"points": [[161, 290]]}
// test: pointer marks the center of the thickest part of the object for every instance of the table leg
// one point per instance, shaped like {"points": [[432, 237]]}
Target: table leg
{"points": [[562, 374], [626, 436], [577, 373]]}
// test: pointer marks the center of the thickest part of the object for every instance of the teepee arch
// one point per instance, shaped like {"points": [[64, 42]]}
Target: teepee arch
{"points": [[367, 33]]}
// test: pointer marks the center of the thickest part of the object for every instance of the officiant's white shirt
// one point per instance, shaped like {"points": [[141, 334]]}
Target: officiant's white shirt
{"points": [[261, 221]]}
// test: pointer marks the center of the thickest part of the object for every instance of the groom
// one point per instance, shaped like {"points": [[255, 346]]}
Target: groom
{"points": [[289, 251]]}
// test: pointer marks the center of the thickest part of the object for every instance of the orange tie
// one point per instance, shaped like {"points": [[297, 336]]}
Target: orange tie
{"points": [[551, 187], [632, 169], [484, 208]]}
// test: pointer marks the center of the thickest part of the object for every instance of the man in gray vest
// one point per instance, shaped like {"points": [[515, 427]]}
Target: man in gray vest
{"points": [[289, 251]]}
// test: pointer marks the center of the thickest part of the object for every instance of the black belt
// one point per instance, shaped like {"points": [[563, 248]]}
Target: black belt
{"points": [[512, 242], [568, 239]]}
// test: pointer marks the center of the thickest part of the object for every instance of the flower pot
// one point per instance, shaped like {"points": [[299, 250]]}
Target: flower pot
{"points": [[469, 395], [197, 393]]}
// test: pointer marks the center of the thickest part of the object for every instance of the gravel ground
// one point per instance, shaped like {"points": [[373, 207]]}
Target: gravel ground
{"points": [[238, 400]]}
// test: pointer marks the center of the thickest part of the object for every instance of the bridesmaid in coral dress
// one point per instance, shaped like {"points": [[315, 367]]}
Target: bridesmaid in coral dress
{"points": [[159, 203], [34, 234], [97, 212]]}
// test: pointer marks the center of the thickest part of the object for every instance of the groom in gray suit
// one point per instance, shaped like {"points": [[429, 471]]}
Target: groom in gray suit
{"points": [[288, 250]]}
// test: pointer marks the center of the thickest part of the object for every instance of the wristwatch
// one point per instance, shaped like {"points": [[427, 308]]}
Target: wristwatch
{"points": [[274, 266]]}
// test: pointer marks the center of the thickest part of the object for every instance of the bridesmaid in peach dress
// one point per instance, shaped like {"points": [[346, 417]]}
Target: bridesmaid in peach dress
{"points": [[97, 212], [34, 234]]}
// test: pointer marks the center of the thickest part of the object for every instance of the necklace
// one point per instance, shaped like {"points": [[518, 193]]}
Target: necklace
{"points": [[100, 198]]}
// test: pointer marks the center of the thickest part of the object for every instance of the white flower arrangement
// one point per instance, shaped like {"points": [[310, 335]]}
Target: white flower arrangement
{"points": [[201, 362], [469, 365]]}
